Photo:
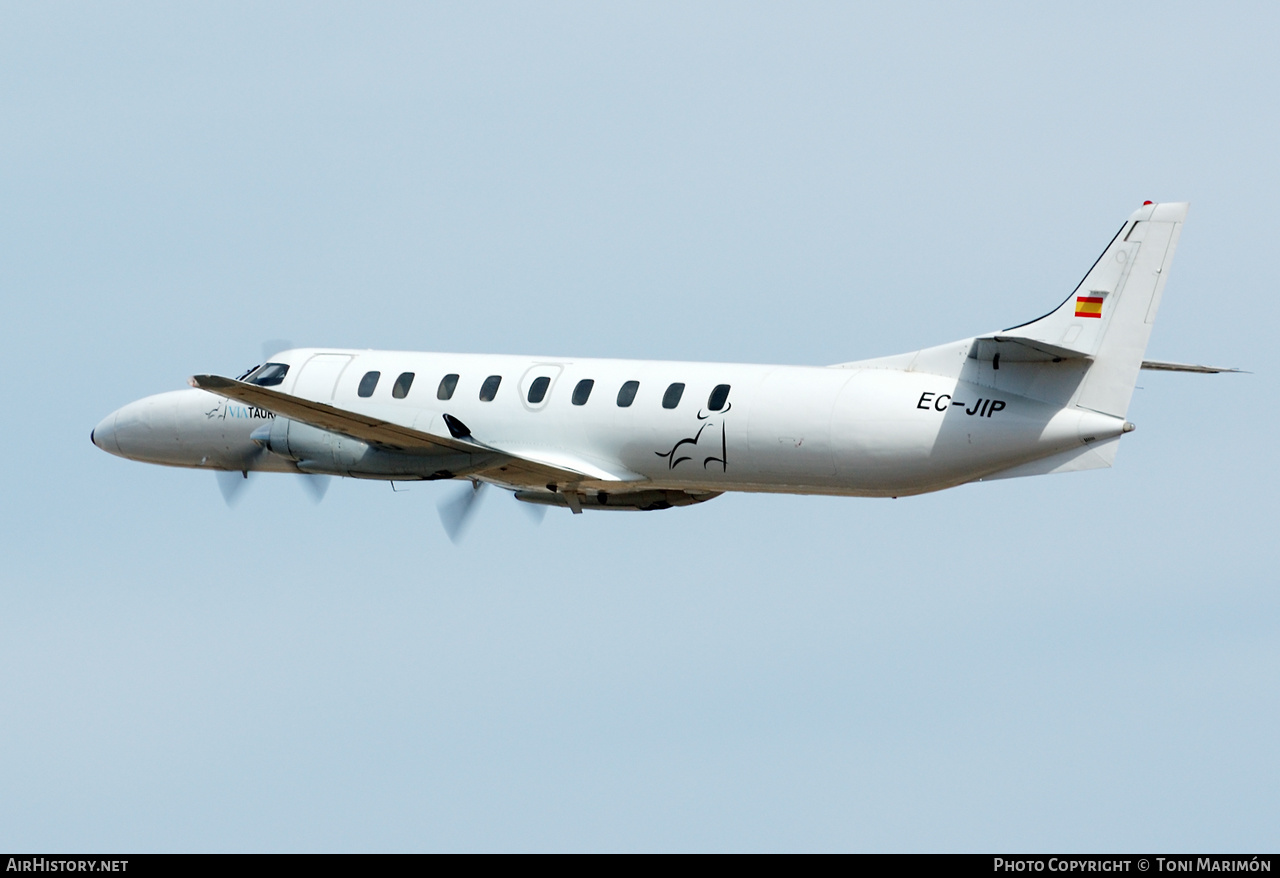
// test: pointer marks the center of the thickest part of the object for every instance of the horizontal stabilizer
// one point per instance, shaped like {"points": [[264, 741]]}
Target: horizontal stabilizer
{"points": [[1160, 366]]}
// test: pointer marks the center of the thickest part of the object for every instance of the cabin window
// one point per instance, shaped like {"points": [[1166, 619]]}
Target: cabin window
{"points": [[718, 398], [448, 384], [401, 388], [627, 394], [671, 398], [582, 392], [489, 389], [267, 375], [537, 390], [368, 383]]}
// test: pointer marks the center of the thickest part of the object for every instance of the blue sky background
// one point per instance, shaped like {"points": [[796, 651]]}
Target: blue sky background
{"points": [[1077, 662]]}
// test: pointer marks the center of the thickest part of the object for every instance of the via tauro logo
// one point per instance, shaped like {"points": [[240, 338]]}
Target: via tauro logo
{"points": [[248, 411], [225, 410]]}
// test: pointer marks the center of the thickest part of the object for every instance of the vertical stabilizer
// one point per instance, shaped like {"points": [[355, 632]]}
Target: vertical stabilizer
{"points": [[1108, 317]]}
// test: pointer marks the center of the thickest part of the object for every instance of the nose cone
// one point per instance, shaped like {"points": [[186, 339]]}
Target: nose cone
{"points": [[184, 428], [104, 435], [145, 430]]}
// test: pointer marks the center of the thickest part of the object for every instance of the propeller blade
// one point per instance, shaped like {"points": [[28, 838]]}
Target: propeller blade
{"points": [[316, 485], [456, 513], [273, 346], [535, 511], [231, 483]]}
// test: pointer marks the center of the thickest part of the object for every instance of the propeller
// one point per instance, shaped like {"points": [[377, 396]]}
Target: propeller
{"points": [[456, 512], [231, 483], [535, 511], [316, 485]]}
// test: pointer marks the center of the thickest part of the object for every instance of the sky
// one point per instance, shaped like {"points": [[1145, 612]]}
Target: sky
{"points": [[1082, 662]]}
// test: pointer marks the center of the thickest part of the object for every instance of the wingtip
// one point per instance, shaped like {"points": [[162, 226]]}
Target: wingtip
{"points": [[207, 382]]}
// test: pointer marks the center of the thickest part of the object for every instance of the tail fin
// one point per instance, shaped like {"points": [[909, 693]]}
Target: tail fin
{"points": [[1109, 316]]}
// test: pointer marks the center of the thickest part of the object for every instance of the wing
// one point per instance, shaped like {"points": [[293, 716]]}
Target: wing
{"points": [[519, 469], [328, 417]]}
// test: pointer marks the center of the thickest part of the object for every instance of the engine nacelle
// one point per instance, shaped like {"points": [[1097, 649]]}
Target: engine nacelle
{"points": [[324, 452]]}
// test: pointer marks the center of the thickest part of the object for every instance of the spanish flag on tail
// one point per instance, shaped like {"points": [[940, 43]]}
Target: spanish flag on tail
{"points": [[1088, 306]]}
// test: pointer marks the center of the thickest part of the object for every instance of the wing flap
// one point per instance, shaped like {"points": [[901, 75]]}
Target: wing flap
{"points": [[598, 471]]}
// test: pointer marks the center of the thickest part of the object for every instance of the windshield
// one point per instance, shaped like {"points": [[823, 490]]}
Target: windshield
{"points": [[267, 375]]}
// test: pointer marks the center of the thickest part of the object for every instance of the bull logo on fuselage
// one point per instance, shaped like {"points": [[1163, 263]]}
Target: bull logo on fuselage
{"points": [[688, 448]]}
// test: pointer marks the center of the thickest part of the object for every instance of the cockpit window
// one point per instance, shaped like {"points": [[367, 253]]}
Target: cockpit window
{"points": [[268, 374], [671, 398], [718, 398], [447, 385], [368, 383], [401, 388]]}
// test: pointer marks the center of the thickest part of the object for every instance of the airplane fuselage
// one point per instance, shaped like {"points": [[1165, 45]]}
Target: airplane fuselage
{"points": [[860, 431]]}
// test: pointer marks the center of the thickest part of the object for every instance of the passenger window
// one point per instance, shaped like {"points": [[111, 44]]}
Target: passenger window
{"points": [[671, 398], [268, 375], [489, 389], [368, 383], [401, 388], [718, 398], [537, 390], [582, 392], [627, 394], [447, 385]]}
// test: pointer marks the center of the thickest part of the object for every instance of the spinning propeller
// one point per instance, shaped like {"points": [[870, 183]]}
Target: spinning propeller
{"points": [[232, 482], [456, 512]]}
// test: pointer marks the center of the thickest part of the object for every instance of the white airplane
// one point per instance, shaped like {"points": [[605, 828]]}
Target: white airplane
{"points": [[1044, 397]]}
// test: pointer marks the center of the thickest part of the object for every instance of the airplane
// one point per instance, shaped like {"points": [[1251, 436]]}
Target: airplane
{"points": [[1047, 396]]}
